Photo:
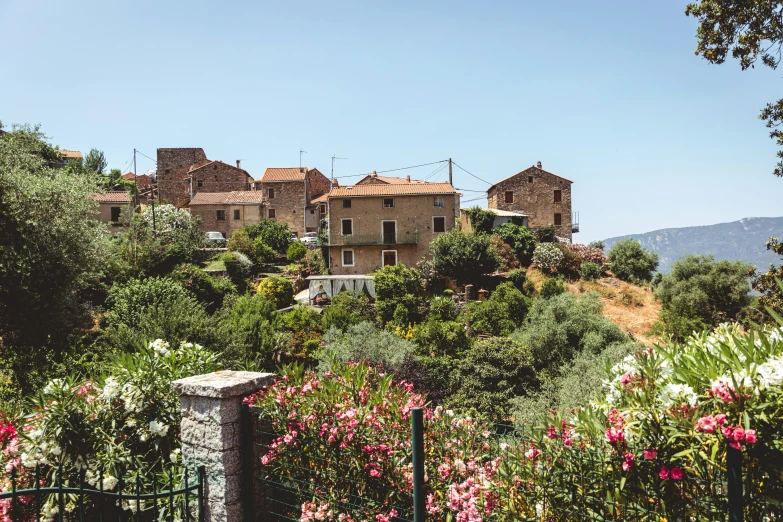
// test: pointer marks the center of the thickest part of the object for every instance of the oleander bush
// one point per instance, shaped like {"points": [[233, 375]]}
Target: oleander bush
{"points": [[548, 257]]}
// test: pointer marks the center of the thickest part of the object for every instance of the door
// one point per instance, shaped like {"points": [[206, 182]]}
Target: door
{"points": [[389, 232], [389, 257]]}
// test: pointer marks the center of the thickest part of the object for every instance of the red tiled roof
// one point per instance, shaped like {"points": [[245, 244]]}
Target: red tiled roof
{"points": [[236, 197], [284, 174], [389, 180], [406, 189], [116, 196], [320, 199], [207, 163], [142, 180], [525, 170], [70, 153]]}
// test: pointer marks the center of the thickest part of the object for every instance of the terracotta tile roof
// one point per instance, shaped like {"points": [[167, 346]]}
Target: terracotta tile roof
{"points": [[406, 189], [203, 164], [284, 174], [142, 180], [70, 153], [525, 170], [388, 180], [237, 197], [320, 199], [116, 196]]}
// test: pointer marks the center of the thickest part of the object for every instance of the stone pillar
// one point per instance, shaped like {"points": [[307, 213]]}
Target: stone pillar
{"points": [[211, 435]]}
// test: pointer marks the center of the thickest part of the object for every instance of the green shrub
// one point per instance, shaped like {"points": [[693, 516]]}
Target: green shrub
{"points": [[443, 308], [552, 286], [630, 262], [126, 301], [596, 244], [296, 252], [463, 256], [518, 277], [489, 317], [304, 323], [207, 289], [248, 326], [521, 240], [481, 220], [238, 267], [569, 265], [346, 310], [363, 342], [273, 233], [397, 286], [548, 257], [277, 290], [513, 300], [263, 253], [546, 234], [589, 271], [241, 242], [436, 337]]}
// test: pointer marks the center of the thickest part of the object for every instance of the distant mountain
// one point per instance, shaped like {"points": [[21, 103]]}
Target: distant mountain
{"points": [[743, 240]]}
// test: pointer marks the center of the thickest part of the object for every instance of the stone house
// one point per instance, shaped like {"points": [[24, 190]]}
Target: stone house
{"points": [[143, 181], [293, 196], [184, 172], [501, 217], [115, 208], [226, 212], [543, 196], [71, 157], [372, 225]]}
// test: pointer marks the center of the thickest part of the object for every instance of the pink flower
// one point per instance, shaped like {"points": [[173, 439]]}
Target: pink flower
{"points": [[738, 435], [750, 436], [676, 474], [628, 463], [614, 435], [706, 424], [532, 453], [650, 454], [736, 445], [720, 419], [664, 473], [625, 379]]}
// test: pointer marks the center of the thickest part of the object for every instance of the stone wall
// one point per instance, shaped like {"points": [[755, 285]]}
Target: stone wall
{"points": [[317, 184], [288, 203], [248, 215], [219, 177], [536, 198], [173, 165], [413, 215]]}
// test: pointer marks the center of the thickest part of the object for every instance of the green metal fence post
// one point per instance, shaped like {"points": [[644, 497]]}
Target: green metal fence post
{"points": [[734, 472], [417, 445], [248, 463]]}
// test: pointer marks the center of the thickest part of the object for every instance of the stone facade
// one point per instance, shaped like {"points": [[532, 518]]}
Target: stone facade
{"points": [[235, 216], [413, 217], [217, 176], [114, 208], [172, 175], [212, 436], [289, 194], [535, 192]]}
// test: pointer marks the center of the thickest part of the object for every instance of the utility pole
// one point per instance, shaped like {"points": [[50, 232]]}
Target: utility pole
{"points": [[334, 158], [450, 181]]}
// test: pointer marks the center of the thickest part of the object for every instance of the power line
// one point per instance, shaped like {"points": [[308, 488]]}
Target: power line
{"points": [[469, 190], [478, 178], [154, 161], [439, 169], [395, 170]]}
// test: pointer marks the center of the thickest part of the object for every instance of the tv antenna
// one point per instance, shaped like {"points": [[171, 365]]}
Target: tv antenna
{"points": [[300, 158], [334, 158]]}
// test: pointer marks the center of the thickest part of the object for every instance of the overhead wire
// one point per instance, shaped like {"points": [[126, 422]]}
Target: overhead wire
{"points": [[394, 170], [470, 173]]}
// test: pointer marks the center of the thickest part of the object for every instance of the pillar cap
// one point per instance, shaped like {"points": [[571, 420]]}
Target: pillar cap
{"points": [[223, 384]]}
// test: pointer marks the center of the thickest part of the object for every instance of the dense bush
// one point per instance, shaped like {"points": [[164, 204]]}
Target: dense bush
{"points": [[508, 261], [589, 271], [263, 253], [463, 256], [515, 302], [398, 287], [436, 337], [481, 220], [521, 240], [546, 234], [346, 310], [238, 267], [127, 301], [249, 326], [443, 308], [363, 342], [569, 265], [552, 286], [630, 262], [489, 317], [207, 289], [278, 290], [296, 252], [596, 244], [304, 323], [518, 278], [588, 254], [547, 257], [766, 284], [273, 233], [240, 242]]}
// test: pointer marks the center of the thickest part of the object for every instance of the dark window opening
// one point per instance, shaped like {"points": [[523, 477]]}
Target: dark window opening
{"points": [[323, 209], [312, 212], [558, 219], [346, 203], [200, 183], [439, 224], [271, 213], [390, 258], [347, 227], [388, 203], [509, 195], [530, 179], [271, 193], [221, 215], [347, 257], [115, 214], [389, 232], [558, 196], [236, 214]]}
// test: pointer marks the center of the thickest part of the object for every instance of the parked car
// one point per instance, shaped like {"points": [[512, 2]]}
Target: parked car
{"points": [[215, 239], [310, 239]]}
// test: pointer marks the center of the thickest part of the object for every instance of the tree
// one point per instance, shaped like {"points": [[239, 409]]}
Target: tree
{"points": [[398, 287], [273, 233], [771, 293], [521, 240], [630, 262], [481, 220], [463, 256], [278, 290], [95, 162], [52, 250], [750, 31], [702, 292]]}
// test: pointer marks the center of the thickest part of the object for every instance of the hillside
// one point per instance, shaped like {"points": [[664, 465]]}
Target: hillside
{"points": [[739, 240]]}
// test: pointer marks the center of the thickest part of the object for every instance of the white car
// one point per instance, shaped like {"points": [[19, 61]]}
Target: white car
{"points": [[215, 239], [309, 239]]}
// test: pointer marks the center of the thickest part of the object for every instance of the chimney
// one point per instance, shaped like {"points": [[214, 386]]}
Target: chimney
{"points": [[335, 183], [408, 178], [238, 164], [538, 164]]}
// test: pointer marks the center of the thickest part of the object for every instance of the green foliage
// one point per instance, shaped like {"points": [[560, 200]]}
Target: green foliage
{"points": [[363, 342], [398, 286], [552, 286], [481, 220], [263, 253], [700, 291], [589, 271], [346, 310], [238, 267], [304, 323], [208, 290], [630, 262], [273, 233], [443, 308], [546, 234], [296, 252], [438, 337], [508, 261], [513, 300], [571, 262], [493, 372], [521, 240], [548, 257], [278, 290], [489, 317], [95, 162], [249, 325], [596, 244], [127, 300], [766, 284], [463, 256], [240, 242]]}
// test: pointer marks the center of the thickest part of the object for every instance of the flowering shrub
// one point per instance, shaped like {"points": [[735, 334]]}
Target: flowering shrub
{"points": [[588, 254], [504, 252], [278, 290], [124, 425], [547, 257]]}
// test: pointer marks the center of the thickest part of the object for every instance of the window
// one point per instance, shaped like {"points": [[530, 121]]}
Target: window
{"points": [[388, 203], [389, 232], [323, 209], [530, 179], [200, 183], [271, 193], [236, 214], [346, 203], [388, 257], [221, 215], [558, 196], [347, 257], [438, 224], [271, 213], [558, 219], [346, 227], [438, 202], [312, 212], [509, 195], [115, 214]]}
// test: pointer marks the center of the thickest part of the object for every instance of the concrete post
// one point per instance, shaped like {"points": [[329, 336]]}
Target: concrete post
{"points": [[211, 435]]}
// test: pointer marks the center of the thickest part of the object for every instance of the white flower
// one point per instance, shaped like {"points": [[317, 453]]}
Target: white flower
{"points": [[160, 346], [54, 386], [174, 456], [672, 392], [55, 450], [111, 389], [771, 372], [109, 483], [459, 465], [131, 396], [450, 413], [158, 429]]}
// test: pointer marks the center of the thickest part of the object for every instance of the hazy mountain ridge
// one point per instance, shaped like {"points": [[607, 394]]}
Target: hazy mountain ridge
{"points": [[743, 240]]}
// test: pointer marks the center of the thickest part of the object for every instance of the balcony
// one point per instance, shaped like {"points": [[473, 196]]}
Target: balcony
{"points": [[406, 238]]}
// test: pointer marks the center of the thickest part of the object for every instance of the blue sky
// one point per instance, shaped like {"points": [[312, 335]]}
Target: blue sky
{"points": [[608, 94]]}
